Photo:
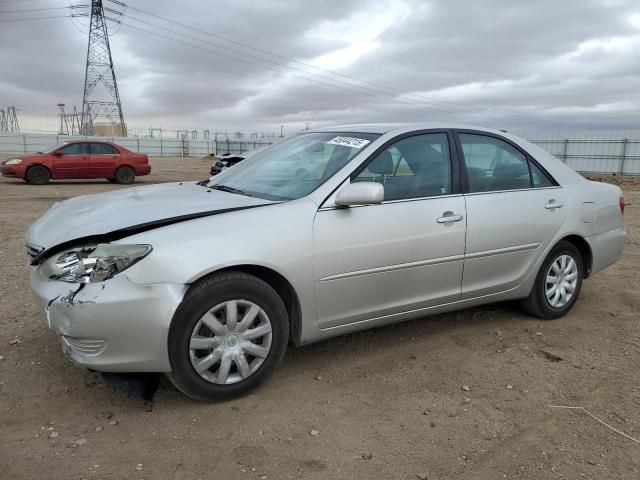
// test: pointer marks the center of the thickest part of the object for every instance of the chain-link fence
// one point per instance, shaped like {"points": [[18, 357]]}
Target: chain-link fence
{"points": [[588, 151], [158, 147]]}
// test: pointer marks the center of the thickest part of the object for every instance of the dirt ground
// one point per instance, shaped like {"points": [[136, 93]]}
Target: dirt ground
{"points": [[386, 403]]}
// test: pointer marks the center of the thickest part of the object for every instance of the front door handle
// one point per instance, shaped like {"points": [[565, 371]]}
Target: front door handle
{"points": [[448, 217], [553, 205]]}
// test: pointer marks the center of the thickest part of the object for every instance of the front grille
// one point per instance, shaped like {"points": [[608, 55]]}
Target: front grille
{"points": [[33, 250], [85, 346]]}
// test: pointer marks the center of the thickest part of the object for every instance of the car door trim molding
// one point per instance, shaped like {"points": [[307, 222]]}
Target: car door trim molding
{"points": [[391, 268], [528, 189], [502, 251], [390, 202]]}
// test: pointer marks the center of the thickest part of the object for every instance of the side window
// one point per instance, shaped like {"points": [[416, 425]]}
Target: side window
{"points": [[103, 149], [414, 167], [75, 149], [493, 164]]}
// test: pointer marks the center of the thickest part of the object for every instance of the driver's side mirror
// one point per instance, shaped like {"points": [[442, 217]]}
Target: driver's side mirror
{"points": [[360, 193], [58, 153]]}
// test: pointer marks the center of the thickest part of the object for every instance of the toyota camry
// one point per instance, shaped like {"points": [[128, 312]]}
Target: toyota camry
{"points": [[388, 223]]}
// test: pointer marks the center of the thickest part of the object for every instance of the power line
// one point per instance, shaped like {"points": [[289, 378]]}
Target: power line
{"points": [[453, 105], [37, 9], [324, 77], [347, 86], [350, 85], [32, 18], [254, 63]]}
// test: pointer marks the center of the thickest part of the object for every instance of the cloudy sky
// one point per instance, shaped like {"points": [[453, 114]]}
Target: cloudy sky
{"points": [[502, 63]]}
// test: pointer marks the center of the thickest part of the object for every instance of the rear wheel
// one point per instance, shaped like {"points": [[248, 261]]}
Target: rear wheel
{"points": [[228, 335], [125, 175], [558, 283], [38, 175]]}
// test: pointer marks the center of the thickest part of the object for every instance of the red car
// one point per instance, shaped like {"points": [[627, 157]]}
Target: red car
{"points": [[78, 159]]}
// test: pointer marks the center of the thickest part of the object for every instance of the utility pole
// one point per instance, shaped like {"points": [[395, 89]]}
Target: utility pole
{"points": [[281, 129], [99, 70]]}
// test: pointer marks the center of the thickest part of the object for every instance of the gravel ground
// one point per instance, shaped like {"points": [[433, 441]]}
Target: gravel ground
{"points": [[462, 395]]}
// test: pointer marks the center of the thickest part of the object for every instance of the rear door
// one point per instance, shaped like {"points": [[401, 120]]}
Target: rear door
{"points": [[376, 261], [104, 160], [514, 209], [72, 161]]}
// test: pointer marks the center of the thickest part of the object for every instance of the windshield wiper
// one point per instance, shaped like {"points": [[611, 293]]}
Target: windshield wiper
{"points": [[228, 189]]}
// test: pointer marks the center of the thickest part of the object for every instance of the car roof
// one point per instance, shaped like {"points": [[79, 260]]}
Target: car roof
{"points": [[383, 128]]}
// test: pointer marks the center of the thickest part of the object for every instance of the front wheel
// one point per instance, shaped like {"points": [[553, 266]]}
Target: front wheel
{"points": [[228, 335], [558, 283], [38, 175]]}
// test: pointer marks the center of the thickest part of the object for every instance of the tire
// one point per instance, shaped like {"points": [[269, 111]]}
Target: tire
{"points": [[538, 302], [125, 175], [38, 175], [223, 372]]}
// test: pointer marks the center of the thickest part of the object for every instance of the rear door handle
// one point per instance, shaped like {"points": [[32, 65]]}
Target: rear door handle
{"points": [[553, 205], [448, 217]]}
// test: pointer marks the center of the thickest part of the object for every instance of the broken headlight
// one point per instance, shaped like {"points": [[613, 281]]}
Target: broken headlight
{"points": [[94, 263]]}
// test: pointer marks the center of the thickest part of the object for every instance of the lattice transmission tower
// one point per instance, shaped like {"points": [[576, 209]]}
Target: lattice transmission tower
{"points": [[9, 120], [99, 72]]}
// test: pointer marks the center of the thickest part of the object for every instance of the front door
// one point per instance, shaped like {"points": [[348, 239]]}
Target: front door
{"points": [[405, 254], [72, 161], [514, 209]]}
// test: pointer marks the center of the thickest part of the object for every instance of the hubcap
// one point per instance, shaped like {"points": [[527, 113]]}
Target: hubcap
{"points": [[230, 342], [561, 281]]}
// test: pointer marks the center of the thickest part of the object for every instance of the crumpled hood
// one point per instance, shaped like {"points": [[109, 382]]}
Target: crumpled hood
{"points": [[133, 209]]}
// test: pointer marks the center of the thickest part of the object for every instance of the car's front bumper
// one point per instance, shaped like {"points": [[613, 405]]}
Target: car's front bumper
{"points": [[112, 326], [12, 171]]}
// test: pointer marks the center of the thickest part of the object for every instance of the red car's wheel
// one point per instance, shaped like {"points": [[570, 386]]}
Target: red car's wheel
{"points": [[38, 175], [125, 175]]}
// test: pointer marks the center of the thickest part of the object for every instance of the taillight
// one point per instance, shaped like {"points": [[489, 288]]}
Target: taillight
{"points": [[621, 204]]}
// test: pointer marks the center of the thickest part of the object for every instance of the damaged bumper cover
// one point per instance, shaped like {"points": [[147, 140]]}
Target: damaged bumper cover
{"points": [[110, 326]]}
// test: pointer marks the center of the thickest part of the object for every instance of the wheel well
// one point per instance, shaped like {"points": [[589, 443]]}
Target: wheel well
{"points": [[36, 165], [283, 288], [585, 251]]}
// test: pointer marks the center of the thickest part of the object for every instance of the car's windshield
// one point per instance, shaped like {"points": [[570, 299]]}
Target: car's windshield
{"points": [[294, 167]]}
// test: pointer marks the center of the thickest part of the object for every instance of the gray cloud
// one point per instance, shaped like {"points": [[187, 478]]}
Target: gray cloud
{"points": [[527, 64]]}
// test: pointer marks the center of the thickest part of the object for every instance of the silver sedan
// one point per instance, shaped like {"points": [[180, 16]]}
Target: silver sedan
{"points": [[209, 282]]}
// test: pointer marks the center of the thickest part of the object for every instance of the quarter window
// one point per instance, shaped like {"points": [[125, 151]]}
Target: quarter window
{"points": [[494, 165], [103, 149], [414, 167], [76, 149], [538, 177]]}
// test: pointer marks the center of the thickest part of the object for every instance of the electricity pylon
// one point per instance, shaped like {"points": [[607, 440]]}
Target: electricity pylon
{"points": [[99, 71]]}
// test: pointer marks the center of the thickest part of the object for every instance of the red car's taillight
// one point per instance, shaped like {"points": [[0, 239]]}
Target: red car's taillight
{"points": [[621, 204]]}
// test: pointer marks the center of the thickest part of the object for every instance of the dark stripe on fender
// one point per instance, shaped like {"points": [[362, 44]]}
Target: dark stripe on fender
{"points": [[135, 229]]}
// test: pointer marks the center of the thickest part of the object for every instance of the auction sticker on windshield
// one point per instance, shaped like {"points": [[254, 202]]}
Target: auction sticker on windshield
{"points": [[348, 142]]}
